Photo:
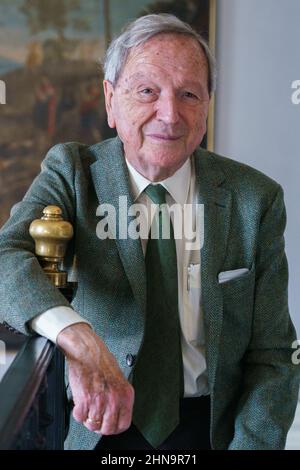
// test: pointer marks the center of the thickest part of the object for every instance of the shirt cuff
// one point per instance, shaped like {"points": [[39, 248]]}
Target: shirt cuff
{"points": [[54, 320]]}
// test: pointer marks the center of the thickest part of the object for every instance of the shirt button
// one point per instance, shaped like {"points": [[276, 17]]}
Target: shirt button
{"points": [[130, 360]]}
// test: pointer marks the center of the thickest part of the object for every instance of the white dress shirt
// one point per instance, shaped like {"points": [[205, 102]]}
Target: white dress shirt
{"points": [[182, 190]]}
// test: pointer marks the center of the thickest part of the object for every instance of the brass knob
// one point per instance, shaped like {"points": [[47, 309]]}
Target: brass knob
{"points": [[51, 235]]}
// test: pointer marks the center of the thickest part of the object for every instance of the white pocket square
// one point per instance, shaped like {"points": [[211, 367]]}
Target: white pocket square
{"points": [[226, 276]]}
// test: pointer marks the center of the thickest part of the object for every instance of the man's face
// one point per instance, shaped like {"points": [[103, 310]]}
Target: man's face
{"points": [[160, 103]]}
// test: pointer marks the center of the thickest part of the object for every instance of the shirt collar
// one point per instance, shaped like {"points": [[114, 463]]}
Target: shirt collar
{"points": [[177, 185]]}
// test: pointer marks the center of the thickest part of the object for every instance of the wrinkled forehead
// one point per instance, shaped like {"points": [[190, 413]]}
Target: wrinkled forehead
{"points": [[175, 51]]}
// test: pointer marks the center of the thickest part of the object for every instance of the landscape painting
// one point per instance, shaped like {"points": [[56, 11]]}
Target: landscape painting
{"points": [[50, 56]]}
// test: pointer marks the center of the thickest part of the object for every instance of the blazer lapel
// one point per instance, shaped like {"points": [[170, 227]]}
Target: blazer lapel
{"points": [[111, 180], [217, 214]]}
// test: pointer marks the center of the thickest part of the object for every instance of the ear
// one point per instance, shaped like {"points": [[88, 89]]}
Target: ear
{"points": [[109, 94]]}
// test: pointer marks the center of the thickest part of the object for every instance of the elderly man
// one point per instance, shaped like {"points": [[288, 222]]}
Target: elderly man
{"points": [[167, 346]]}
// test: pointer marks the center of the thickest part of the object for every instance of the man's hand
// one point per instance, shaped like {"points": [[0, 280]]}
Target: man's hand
{"points": [[102, 396]]}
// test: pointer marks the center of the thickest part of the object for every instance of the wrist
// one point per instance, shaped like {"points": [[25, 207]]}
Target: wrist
{"points": [[75, 338]]}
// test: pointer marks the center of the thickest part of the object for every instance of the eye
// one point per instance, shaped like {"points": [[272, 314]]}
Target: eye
{"points": [[146, 91], [189, 95], [147, 94]]}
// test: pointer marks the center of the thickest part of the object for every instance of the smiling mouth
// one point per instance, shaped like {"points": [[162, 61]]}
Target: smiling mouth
{"points": [[164, 137]]}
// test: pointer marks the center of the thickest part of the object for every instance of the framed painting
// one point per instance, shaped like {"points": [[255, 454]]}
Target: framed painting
{"points": [[51, 78]]}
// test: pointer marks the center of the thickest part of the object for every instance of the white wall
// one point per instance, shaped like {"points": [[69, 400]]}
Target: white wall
{"points": [[258, 54]]}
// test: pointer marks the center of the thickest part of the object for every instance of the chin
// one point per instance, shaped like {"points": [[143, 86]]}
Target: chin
{"points": [[171, 160], [167, 166], [166, 154]]}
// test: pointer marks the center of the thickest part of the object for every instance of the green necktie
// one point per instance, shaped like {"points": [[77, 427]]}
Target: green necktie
{"points": [[157, 377]]}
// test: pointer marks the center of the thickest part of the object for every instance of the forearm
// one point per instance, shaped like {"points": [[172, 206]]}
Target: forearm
{"points": [[25, 290], [78, 341], [268, 401]]}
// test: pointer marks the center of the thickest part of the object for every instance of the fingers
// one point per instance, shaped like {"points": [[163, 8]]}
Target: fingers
{"points": [[93, 424], [125, 414], [118, 414], [94, 417], [109, 412], [80, 411]]}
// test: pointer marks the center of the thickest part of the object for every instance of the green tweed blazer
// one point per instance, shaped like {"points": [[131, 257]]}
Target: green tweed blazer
{"points": [[249, 333]]}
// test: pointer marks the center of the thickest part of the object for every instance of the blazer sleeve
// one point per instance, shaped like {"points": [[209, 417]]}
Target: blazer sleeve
{"points": [[271, 381], [25, 290]]}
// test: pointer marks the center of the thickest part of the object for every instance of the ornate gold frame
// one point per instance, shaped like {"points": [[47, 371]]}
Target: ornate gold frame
{"points": [[212, 45]]}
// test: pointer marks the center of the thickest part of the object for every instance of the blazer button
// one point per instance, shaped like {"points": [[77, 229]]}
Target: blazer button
{"points": [[130, 360]]}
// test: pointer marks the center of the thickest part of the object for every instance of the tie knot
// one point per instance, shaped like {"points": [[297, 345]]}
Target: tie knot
{"points": [[157, 193]]}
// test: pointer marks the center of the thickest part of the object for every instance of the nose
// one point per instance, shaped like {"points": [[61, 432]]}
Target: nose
{"points": [[167, 108]]}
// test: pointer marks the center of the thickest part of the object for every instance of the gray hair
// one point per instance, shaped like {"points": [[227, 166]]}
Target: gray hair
{"points": [[140, 31]]}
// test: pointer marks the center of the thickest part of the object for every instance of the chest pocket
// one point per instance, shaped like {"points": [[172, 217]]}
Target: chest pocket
{"points": [[239, 286], [238, 303]]}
